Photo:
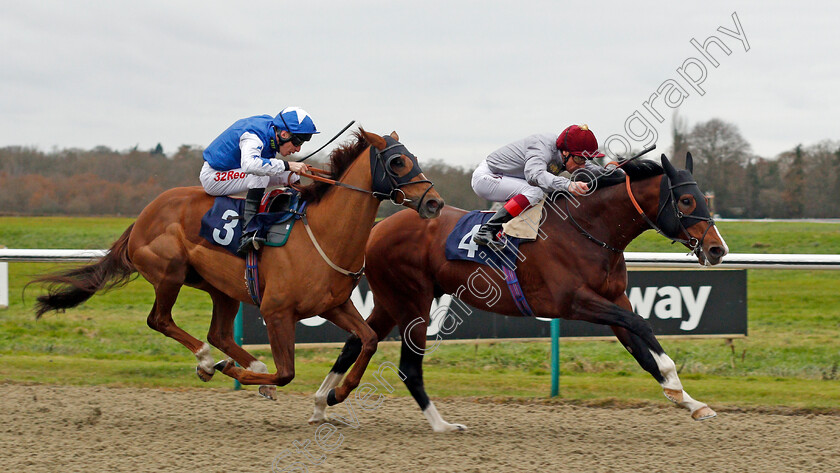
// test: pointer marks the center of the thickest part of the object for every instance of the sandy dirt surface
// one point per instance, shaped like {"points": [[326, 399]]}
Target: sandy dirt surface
{"points": [[71, 428]]}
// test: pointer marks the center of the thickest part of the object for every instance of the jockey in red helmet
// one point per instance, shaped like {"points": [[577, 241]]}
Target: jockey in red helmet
{"points": [[522, 172]]}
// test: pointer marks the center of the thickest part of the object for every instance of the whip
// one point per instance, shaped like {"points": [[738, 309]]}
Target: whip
{"points": [[328, 142]]}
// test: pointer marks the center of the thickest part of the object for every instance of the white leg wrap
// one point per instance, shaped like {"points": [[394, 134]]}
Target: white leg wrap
{"points": [[437, 422], [668, 370], [672, 382], [258, 367], [330, 382], [205, 361], [691, 404]]}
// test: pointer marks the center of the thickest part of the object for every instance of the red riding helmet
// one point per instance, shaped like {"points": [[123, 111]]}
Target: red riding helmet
{"points": [[579, 141]]}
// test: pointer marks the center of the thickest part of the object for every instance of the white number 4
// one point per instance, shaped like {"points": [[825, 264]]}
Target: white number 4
{"points": [[467, 242]]}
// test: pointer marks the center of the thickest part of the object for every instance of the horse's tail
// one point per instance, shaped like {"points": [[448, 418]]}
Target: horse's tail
{"points": [[66, 289]]}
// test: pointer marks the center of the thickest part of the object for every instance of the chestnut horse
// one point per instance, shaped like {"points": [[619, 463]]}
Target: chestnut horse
{"points": [[165, 247], [563, 275]]}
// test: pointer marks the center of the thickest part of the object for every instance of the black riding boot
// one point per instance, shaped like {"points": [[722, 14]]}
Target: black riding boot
{"points": [[486, 235], [252, 204]]}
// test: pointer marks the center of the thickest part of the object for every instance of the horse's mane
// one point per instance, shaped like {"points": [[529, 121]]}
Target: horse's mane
{"points": [[340, 160], [638, 169]]}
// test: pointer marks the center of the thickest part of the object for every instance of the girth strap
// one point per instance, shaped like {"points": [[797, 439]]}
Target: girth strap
{"points": [[252, 277], [517, 292]]}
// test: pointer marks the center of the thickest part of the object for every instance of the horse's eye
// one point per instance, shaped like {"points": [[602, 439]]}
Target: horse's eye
{"points": [[397, 163], [685, 201]]}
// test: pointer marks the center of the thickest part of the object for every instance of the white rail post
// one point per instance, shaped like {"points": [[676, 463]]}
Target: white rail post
{"points": [[4, 284]]}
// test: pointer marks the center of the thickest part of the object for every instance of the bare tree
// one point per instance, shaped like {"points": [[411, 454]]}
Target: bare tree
{"points": [[679, 137], [721, 154]]}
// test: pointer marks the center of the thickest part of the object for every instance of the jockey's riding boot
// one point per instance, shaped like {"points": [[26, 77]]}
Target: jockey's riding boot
{"points": [[252, 204], [487, 234]]}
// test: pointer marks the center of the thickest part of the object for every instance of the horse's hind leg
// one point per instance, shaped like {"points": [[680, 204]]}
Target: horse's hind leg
{"points": [[220, 335], [411, 365], [160, 319], [654, 360], [381, 323]]}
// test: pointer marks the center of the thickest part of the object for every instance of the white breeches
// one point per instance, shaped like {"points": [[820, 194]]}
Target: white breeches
{"points": [[236, 180], [499, 188]]}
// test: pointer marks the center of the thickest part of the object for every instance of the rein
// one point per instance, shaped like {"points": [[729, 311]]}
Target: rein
{"points": [[587, 234], [396, 195], [617, 165], [316, 177], [396, 182]]}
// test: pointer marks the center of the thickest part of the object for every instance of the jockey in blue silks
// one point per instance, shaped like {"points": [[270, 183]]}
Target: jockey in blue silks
{"points": [[243, 158]]}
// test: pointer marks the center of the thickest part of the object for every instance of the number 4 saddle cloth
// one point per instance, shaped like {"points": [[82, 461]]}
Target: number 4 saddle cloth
{"points": [[222, 224], [525, 227], [460, 246]]}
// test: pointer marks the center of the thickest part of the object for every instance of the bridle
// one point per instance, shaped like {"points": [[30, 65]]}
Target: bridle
{"points": [[387, 184], [669, 200]]}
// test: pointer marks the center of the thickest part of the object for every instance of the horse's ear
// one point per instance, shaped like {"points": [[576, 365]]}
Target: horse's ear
{"points": [[669, 168], [375, 140], [395, 136], [689, 162]]}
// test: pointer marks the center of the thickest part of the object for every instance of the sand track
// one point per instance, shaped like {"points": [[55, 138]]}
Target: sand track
{"points": [[75, 428]]}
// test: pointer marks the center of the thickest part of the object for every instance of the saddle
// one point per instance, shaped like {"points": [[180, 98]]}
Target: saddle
{"points": [[526, 225], [275, 217]]}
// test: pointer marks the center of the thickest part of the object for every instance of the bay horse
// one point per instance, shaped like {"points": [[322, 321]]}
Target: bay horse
{"points": [[563, 275], [164, 246]]}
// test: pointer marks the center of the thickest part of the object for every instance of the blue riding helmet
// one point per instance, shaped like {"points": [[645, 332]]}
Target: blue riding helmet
{"points": [[296, 121]]}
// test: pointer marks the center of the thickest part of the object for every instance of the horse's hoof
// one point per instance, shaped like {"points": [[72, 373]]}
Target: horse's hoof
{"points": [[703, 413], [317, 420], [451, 428], [268, 392], [203, 375]]}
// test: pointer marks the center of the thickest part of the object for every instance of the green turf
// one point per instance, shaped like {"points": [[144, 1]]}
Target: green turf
{"points": [[790, 358]]}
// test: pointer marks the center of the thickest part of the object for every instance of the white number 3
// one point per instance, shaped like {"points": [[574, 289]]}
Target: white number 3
{"points": [[232, 221]]}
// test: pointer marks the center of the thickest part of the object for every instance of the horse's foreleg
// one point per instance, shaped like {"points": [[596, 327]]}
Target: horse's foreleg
{"points": [[661, 366], [349, 353], [281, 336], [348, 318], [411, 365], [220, 335], [381, 324]]}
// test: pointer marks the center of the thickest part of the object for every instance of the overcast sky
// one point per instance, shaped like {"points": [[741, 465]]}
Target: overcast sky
{"points": [[456, 79]]}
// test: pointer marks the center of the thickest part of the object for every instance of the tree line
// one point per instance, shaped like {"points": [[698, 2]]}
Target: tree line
{"points": [[803, 182], [103, 181]]}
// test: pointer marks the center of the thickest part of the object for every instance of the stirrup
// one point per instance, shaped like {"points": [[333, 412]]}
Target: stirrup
{"points": [[493, 242], [248, 243]]}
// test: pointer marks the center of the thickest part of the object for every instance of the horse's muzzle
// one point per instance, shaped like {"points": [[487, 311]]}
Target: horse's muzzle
{"points": [[431, 207], [714, 254]]}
